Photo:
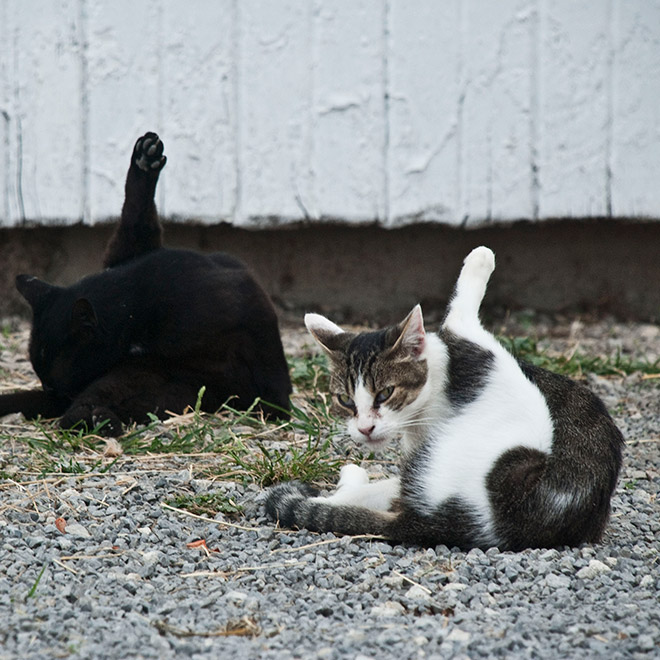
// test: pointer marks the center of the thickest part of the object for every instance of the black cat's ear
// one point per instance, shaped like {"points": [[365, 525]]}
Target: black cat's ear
{"points": [[327, 334], [412, 335], [83, 317], [32, 288]]}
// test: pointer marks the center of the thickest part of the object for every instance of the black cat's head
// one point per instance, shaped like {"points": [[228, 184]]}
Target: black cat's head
{"points": [[67, 345]]}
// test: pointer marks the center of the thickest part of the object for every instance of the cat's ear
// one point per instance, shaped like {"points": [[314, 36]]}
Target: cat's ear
{"points": [[32, 288], [324, 331], [83, 318], [412, 337]]}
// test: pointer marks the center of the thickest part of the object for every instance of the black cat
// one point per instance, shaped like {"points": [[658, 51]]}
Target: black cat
{"points": [[146, 334]]}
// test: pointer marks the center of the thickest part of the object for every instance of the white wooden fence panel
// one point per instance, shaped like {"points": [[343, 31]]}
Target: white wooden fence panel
{"points": [[349, 134], [573, 110], [496, 154], [272, 113], [197, 108], [461, 111], [425, 111], [43, 85], [122, 92], [636, 108]]}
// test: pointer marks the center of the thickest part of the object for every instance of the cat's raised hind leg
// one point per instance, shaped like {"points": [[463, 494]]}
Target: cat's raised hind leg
{"points": [[139, 230], [463, 312]]}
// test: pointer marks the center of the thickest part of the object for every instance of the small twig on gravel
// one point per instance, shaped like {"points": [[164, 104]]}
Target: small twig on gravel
{"points": [[328, 541], [405, 578], [245, 627], [103, 556], [209, 520], [242, 569], [65, 567], [642, 441]]}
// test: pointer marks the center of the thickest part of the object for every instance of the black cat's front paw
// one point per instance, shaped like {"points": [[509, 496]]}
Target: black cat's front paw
{"points": [[148, 153], [90, 418], [282, 501]]}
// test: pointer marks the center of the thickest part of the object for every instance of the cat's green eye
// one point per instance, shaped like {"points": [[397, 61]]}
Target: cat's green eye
{"points": [[346, 401], [383, 395]]}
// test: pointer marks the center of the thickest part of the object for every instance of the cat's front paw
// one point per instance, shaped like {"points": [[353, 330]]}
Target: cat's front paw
{"points": [[282, 500], [99, 419], [352, 475], [148, 153]]}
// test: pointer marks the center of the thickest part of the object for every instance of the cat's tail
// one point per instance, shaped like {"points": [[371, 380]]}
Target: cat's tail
{"points": [[463, 311], [33, 403]]}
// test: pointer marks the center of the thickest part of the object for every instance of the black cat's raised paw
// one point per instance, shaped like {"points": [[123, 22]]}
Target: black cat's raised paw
{"points": [[148, 153], [282, 501]]}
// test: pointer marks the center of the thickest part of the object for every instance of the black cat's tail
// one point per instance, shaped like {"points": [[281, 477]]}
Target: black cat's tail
{"points": [[33, 403], [139, 230]]}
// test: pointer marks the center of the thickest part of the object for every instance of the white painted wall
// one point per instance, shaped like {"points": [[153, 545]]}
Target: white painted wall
{"points": [[457, 111]]}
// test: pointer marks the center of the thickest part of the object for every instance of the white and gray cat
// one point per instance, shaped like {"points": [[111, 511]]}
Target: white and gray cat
{"points": [[497, 452]]}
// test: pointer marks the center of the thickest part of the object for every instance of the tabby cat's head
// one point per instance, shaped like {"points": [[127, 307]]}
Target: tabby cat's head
{"points": [[376, 377]]}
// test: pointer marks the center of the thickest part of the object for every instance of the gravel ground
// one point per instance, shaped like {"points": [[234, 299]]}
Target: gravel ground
{"points": [[123, 580]]}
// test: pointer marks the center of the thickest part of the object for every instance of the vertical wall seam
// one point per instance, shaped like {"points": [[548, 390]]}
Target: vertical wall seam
{"points": [[85, 203], [385, 55], [4, 111], [312, 199], [461, 86], [534, 107], [609, 91], [236, 102], [18, 127], [161, 191]]}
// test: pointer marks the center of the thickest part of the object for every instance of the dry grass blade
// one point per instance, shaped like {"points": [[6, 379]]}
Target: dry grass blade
{"points": [[344, 539], [210, 520], [243, 569], [243, 627]]}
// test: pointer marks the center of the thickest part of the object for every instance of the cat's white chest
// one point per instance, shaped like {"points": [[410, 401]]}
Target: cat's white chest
{"points": [[461, 451]]}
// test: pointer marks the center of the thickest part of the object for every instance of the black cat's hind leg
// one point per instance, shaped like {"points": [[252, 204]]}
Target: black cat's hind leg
{"points": [[139, 230], [129, 393]]}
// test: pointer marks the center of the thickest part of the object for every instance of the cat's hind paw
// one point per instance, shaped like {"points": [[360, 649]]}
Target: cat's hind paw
{"points": [[100, 420], [283, 500], [148, 153], [479, 264]]}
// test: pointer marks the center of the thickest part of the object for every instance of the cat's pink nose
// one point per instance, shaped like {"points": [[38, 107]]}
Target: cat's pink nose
{"points": [[366, 430]]}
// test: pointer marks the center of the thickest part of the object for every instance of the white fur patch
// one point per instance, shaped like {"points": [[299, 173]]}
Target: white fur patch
{"points": [[354, 489], [510, 412]]}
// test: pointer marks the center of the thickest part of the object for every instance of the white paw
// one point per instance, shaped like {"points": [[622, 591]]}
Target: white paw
{"points": [[480, 263], [352, 475]]}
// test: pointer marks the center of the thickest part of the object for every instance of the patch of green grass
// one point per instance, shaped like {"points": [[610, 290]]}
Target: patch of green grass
{"points": [[207, 504], [33, 589], [314, 461], [576, 364], [232, 444], [309, 372], [56, 450]]}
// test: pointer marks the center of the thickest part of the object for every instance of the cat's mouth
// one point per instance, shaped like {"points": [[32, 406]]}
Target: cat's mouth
{"points": [[374, 442]]}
